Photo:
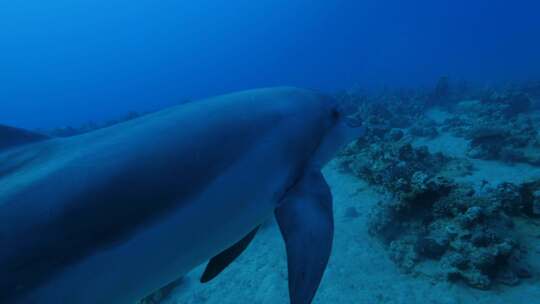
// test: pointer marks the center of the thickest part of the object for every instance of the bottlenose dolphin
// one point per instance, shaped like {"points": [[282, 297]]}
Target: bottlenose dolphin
{"points": [[112, 215]]}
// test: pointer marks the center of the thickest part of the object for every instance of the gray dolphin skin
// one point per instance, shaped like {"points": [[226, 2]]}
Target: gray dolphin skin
{"points": [[113, 215]]}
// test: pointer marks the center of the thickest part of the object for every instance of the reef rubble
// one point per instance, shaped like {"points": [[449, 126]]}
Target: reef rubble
{"points": [[465, 231], [470, 233]]}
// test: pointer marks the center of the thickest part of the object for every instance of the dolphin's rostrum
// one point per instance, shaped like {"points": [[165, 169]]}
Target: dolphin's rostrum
{"points": [[115, 214]]}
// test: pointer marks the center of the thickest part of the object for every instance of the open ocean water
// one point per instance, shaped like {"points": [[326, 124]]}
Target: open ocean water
{"points": [[140, 162]]}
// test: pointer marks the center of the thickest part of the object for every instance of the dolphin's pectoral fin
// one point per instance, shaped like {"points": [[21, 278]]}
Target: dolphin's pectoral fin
{"points": [[306, 222], [218, 263]]}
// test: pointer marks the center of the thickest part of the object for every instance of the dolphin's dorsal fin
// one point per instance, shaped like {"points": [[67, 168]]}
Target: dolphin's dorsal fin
{"points": [[218, 263], [305, 219], [11, 137]]}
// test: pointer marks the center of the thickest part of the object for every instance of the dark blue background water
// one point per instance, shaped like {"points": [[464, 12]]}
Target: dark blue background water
{"points": [[66, 62]]}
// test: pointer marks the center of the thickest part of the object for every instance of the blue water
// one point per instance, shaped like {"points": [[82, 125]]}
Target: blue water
{"points": [[438, 202], [97, 59]]}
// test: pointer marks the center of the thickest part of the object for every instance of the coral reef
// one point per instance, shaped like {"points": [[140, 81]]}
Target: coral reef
{"points": [[470, 234], [424, 127], [498, 127], [532, 88], [441, 93], [384, 111], [395, 165], [467, 229]]}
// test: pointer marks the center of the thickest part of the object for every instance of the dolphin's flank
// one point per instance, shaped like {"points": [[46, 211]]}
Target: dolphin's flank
{"points": [[112, 215]]}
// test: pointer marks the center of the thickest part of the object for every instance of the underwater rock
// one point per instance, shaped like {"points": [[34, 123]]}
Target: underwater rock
{"points": [[442, 89], [508, 278], [511, 156], [403, 253], [506, 142], [509, 197], [395, 134], [468, 233], [498, 126], [398, 167], [455, 260], [382, 113], [536, 203], [513, 103], [431, 248], [486, 142], [467, 229], [424, 127], [424, 131], [441, 94], [519, 200], [532, 88], [466, 107], [406, 152], [472, 216]]}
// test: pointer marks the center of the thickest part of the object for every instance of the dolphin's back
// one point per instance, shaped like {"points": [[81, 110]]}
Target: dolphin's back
{"points": [[68, 198]]}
